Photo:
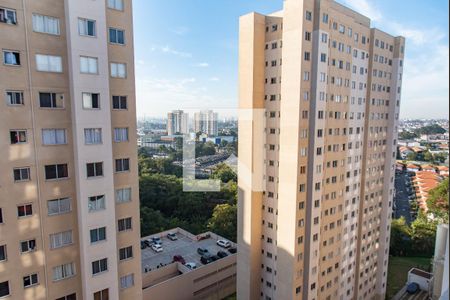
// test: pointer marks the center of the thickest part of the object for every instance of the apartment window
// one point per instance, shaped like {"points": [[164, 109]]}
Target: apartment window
{"points": [[308, 15], [118, 70], [3, 255], [307, 36], [8, 16], [49, 63], [120, 135], [59, 206], [45, 24], [30, 280], [88, 65], [28, 246], [14, 98], [116, 36], [86, 27], [56, 172], [94, 169], [22, 174], [123, 195], [104, 294], [98, 235], [127, 281], [97, 203], [126, 253], [54, 137], [18, 136], [24, 210], [93, 136], [307, 56], [323, 57], [51, 100], [124, 224], [91, 101], [11, 58], [120, 102], [63, 271], [4, 289], [69, 297], [61, 239], [123, 165], [115, 4], [99, 266]]}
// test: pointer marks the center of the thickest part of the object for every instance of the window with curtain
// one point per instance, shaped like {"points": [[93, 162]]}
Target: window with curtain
{"points": [[123, 195], [11, 58], [91, 101], [118, 70], [88, 65], [120, 135], [93, 136], [54, 137], [115, 4], [86, 27], [45, 24], [61, 239], [127, 281], [63, 271], [97, 203], [49, 63], [59, 206]]}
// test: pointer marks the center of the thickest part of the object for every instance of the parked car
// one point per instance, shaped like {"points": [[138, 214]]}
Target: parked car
{"points": [[232, 250], [214, 258], [206, 259], [148, 242], [191, 265], [157, 240], [157, 248], [143, 245], [224, 243], [222, 254], [179, 259], [172, 236], [202, 251]]}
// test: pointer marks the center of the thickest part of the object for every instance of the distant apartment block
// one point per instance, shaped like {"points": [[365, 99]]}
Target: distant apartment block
{"points": [[319, 97], [69, 204], [206, 122], [177, 122]]}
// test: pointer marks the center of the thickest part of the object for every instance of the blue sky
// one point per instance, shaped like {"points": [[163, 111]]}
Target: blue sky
{"points": [[187, 52]]}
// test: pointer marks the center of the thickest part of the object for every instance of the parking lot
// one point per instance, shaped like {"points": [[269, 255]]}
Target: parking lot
{"points": [[184, 246]]}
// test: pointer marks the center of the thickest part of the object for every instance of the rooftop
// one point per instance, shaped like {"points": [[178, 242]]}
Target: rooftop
{"points": [[186, 245]]}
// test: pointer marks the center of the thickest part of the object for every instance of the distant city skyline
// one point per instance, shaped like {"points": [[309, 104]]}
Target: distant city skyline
{"points": [[190, 60]]}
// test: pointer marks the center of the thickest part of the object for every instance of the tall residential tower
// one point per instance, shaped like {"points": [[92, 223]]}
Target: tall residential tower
{"points": [[69, 206], [177, 122], [319, 98], [206, 122]]}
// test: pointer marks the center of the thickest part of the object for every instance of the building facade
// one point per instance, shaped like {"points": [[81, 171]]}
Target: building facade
{"points": [[206, 122], [69, 206], [177, 122], [319, 108]]}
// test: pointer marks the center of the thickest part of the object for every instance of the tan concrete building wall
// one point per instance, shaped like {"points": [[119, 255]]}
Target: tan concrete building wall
{"points": [[33, 154], [315, 219]]}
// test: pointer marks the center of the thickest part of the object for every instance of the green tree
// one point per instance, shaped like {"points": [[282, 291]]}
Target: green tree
{"points": [[438, 201], [224, 221], [428, 156], [431, 129], [407, 135], [224, 173], [411, 156], [400, 237], [152, 221], [423, 233]]}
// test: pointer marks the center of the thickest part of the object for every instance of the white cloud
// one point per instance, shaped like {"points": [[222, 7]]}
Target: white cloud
{"points": [[417, 36], [364, 7], [169, 50], [202, 65], [214, 79], [181, 30]]}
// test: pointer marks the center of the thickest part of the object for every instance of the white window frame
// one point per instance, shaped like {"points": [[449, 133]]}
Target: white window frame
{"points": [[117, 30], [11, 96], [7, 20], [34, 280], [45, 24], [121, 135], [116, 71], [21, 174], [46, 63], [123, 195], [26, 215], [100, 269], [60, 211], [127, 281], [91, 64], [14, 52], [28, 242], [116, 4], [96, 203], [67, 271], [58, 138], [87, 100], [93, 136], [61, 239], [83, 27]]}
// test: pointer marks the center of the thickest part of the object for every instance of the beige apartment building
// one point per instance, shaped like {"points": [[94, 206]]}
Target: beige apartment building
{"points": [[69, 206], [177, 122], [319, 106]]}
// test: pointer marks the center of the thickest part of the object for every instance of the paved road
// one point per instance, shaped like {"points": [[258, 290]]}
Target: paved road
{"points": [[401, 197]]}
